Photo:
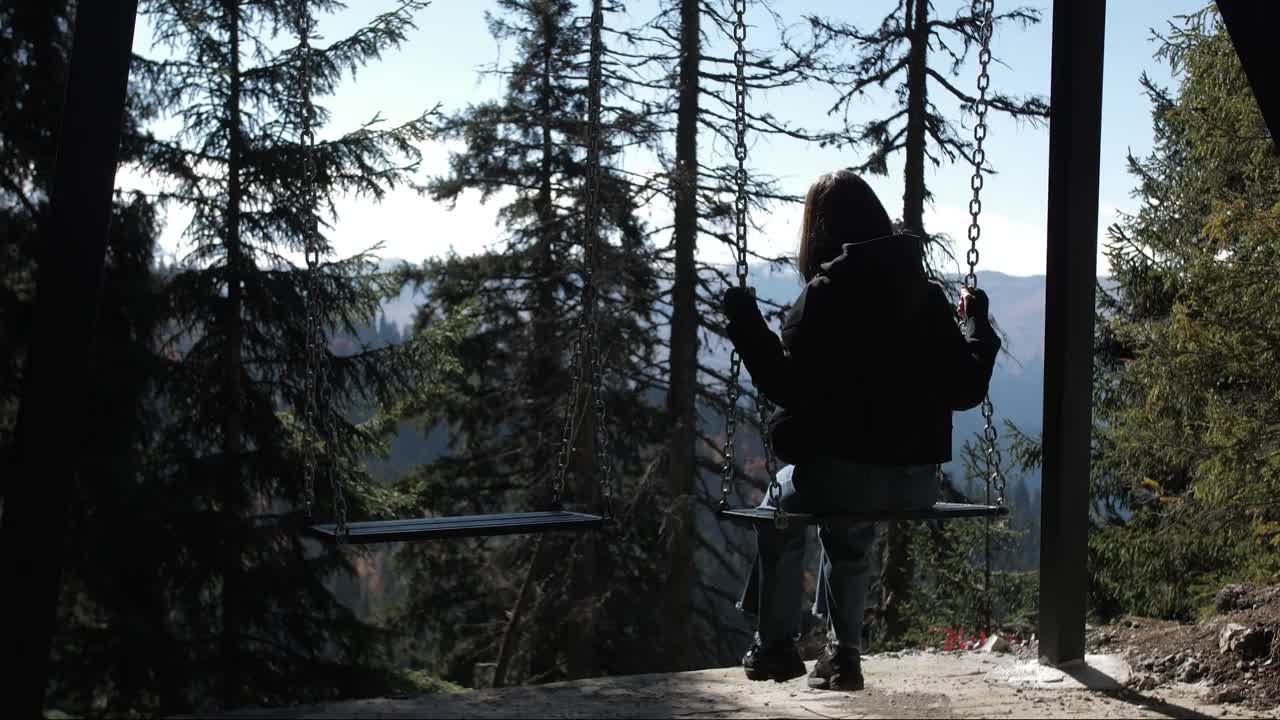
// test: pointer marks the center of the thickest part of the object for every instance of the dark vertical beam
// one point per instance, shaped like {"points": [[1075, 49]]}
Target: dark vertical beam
{"points": [[1251, 27], [1075, 128], [38, 488]]}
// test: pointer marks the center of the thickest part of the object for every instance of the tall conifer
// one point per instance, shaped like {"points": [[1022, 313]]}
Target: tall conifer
{"points": [[251, 598], [565, 599], [1185, 467]]}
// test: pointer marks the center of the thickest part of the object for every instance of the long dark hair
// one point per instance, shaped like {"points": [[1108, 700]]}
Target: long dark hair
{"points": [[841, 208]]}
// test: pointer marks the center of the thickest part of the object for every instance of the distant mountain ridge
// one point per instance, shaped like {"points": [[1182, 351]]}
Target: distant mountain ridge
{"points": [[1017, 304]]}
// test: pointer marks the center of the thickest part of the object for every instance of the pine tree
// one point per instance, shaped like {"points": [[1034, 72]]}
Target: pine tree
{"points": [[525, 300], [250, 600], [946, 567], [1185, 388], [35, 41], [1183, 474], [113, 642]]}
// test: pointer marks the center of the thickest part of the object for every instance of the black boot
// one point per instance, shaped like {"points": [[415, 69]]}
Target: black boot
{"points": [[780, 662], [839, 668]]}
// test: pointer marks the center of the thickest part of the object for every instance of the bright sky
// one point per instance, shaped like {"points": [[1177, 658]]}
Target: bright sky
{"points": [[441, 60]]}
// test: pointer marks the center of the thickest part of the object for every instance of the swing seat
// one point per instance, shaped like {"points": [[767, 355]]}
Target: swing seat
{"points": [[433, 528], [940, 511]]}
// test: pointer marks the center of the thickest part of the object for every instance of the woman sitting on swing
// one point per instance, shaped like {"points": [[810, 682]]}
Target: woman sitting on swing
{"points": [[869, 368]]}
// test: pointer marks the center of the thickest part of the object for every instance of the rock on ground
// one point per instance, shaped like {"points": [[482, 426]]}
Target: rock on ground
{"points": [[1230, 657]]}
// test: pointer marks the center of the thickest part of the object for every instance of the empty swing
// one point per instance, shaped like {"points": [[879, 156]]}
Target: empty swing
{"points": [[586, 356]]}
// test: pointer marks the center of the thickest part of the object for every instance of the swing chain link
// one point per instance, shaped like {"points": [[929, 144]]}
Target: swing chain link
{"points": [[995, 475], [570, 409], [985, 11], [317, 379], [740, 258], [740, 140], [593, 236], [569, 428], [731, 428], [588, 323], [306, 139], [571, 406], [740, 238], [770, 467]]}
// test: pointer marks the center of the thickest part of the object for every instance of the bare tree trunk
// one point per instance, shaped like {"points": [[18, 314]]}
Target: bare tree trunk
{"points": [[510, 636], [580, 634], [917, 95], [896, 567], [681, 397]]}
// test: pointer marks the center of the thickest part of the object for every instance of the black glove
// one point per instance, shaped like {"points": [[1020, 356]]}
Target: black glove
{"points": [[739, 306], [974, 304]]}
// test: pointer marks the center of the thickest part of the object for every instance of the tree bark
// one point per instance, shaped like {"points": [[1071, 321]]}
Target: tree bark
{"points": [[682, 395], [917, 23], [897, 569], [510, 636], [545, 358], [580, 635]]}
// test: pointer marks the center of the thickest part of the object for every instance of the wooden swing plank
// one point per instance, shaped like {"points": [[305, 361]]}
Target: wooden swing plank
{"points": [[940, 511], [433, 528]]}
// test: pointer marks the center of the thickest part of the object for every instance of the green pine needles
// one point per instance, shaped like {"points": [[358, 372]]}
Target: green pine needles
{"points": [[250, 608]]}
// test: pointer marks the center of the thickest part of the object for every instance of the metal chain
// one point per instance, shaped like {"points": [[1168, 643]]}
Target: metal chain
{"points": [[995, 475], [740, 236], [317, 376], [603, 464], [587, 330], [985, 10], [740, 258], [306, 139], [770, 467], [731, 429], [740, 139], [567, 442], [594, 237]]}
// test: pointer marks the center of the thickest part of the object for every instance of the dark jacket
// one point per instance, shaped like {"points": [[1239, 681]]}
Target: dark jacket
{"points": [[870, 366]]}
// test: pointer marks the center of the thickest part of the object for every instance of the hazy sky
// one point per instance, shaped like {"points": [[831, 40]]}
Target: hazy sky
{"points": [[441, 60]]}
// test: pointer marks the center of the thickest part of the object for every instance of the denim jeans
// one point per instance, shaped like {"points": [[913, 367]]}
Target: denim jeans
{"points": [[827, 485]]}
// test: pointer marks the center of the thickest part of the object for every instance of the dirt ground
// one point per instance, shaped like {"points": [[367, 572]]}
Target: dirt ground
{"points": [[1227, 666], [1233, 657], [906, 685]]}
